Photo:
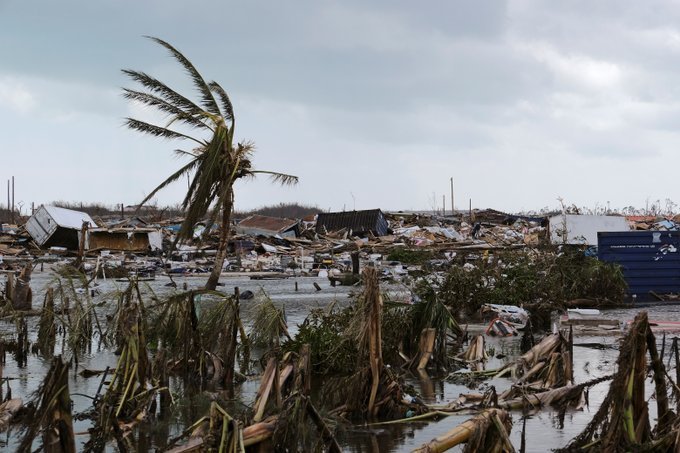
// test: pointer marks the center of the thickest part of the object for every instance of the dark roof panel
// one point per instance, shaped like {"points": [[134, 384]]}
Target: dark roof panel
{"points": [[360, 222]]}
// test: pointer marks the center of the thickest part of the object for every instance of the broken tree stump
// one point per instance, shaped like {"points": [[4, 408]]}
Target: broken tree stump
{"points": [[466, 430], [22, 295]]}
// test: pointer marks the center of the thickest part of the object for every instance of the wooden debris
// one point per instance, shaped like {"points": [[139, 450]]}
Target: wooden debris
{"points": [[466, 430]]}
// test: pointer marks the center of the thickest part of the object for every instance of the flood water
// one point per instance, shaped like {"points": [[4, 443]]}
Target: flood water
{"points": [[545, 429]]}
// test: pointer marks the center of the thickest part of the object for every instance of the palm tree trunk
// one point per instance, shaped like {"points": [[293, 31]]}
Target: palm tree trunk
{"points": [[225, 231]]}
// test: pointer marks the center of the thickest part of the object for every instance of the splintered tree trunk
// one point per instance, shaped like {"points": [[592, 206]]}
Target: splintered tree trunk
{"points": [[22, 295], [230, 356], [374, 307], [53, 414], [58, 436], [225, 230], [463, 432]]}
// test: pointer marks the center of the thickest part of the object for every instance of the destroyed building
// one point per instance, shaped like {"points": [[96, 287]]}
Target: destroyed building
{"points": [[260, 225], [51, 226], [124, 239], [357, 223]]}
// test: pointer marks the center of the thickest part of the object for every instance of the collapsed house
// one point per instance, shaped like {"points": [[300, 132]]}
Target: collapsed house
{"points": [[51, 226], [124, 239], [260, 225], [356, 223]]}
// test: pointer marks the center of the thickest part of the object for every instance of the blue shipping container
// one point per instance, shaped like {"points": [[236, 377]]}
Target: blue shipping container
{"points": [[650, 260]]}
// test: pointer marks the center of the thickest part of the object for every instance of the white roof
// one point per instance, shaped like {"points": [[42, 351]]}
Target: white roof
{"points": [[68, 218]]}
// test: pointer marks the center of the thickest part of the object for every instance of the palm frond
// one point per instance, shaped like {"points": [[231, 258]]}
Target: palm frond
{"points": [[157, 131], [208, 185], [170, 179], [227, 107], [166, 107], [269, 322], [278, 178], [206, 94], [182, 153], [156, 86]]}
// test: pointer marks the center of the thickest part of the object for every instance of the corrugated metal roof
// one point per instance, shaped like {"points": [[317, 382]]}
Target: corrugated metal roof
{"points": [[650, 260], [360, 222], [273, 224]]}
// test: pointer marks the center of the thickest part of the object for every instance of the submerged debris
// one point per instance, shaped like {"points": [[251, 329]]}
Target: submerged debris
{"points": [[622, 421]]}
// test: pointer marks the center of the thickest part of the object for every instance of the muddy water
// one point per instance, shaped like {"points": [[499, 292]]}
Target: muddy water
{"points": [[545, 429]]}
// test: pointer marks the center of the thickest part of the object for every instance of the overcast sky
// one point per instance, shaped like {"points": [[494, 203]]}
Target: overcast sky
{"points": [[372, 104]]}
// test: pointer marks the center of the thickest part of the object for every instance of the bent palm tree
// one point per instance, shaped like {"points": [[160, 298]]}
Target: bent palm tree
{"points": [[214, 162]]}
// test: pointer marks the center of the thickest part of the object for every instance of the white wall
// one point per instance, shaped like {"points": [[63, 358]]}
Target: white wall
{"points": [[583, 229]]}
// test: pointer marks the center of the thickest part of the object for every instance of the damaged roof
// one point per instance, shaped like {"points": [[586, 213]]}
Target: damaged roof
{"points": [[360, 222], [260, 224]]}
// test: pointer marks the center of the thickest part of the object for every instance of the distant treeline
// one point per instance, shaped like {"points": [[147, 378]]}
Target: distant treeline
{"points": [[286, 210], [155, 213], [150, 212]]}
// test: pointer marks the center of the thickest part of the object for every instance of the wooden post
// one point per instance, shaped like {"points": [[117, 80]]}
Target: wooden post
{"points": [[81, 245], [9, 287], [355, 262]]}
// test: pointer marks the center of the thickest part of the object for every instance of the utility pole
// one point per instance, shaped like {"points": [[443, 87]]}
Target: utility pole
{"points": [[443, 205], [8, 215], [453, 209], [12, 200]]}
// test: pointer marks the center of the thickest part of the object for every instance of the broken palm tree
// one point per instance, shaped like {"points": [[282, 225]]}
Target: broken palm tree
{"points": [[47, 328], [288, 427], [300, 426], [547, 365], [622, 421], [76, 314], [220, 328], [487, 431], [269, 323], [52, 415], [433, 325], [177, 329], [475, 354], [131, 395], [373, 390], [18, 292]]}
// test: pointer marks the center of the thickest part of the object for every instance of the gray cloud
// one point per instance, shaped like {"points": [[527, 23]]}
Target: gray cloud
{"points": [[385, 100]]}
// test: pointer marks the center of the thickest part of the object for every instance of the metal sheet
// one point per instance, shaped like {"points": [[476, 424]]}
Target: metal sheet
{"points": [[360, 222]]}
